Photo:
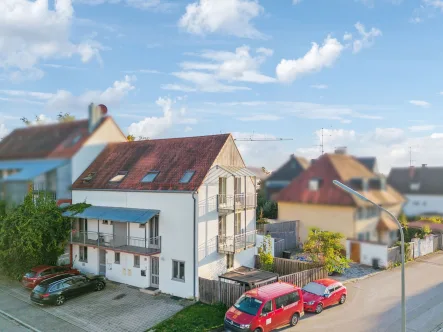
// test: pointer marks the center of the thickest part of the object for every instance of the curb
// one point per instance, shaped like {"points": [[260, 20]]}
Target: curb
{"points": [[19, 321]]}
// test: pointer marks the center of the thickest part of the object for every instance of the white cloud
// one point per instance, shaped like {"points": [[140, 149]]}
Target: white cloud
{"points": [[420, 103], [347, 36], [316, 59], [223, 66], [142, 71], [366, 38], [422, 128], [296, 2], [156, 5], [153, 127], [260, 117], [178, 87], [319, 86], [32, 32], [230, 17], [4, 131], [437, 135], [388, 135], [441, 93]]}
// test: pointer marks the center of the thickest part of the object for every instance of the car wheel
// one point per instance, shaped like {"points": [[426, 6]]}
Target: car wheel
{"points": [[258, 330], [319, 308], [342, 299], [99, 286], [60, 300], [294, 319]]}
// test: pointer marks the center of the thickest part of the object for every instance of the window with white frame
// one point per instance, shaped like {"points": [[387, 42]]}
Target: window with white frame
{"points": [[136, 261], [119, 177], [414, 186], [178, 270], [83, 254], [117, 258], [237, 223], [314, 184]]}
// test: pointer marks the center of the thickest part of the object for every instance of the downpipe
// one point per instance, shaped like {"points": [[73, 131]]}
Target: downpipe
{"points": [[194, 243]]}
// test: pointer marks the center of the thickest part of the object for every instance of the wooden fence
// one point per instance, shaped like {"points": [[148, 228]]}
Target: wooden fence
{"points": [[305, 277], [284, 266], [215, 291]]}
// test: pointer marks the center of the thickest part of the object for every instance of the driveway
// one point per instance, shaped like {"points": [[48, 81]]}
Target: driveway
{"points": [[118, 308], [374, 303]]}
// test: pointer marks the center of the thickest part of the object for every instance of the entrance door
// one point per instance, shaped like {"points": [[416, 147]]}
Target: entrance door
{"points": [[237, 192], [355, 252], [155, 278], [153, 232], [222, 190], [102, 262]]}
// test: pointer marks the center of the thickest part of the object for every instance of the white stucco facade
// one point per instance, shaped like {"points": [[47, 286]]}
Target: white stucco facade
{"points": [[418, 205]]}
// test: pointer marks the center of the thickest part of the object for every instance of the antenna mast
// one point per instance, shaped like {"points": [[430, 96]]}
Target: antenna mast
{"points": [[410, 157], [263, 139]]}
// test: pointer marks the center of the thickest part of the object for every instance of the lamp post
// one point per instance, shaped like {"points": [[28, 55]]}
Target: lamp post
{"points": [[403, 300]]}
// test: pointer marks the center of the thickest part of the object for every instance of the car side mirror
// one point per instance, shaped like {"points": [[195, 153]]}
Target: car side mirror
{"points": [[326, 295]]}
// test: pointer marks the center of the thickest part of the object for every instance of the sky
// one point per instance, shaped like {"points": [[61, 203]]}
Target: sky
{"points": [[369, 72]]}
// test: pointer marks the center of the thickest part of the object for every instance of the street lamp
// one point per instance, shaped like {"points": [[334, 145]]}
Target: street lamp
{"points": [[403, 300]]}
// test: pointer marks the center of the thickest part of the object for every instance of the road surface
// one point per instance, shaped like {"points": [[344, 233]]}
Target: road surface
{"points": [[9, 325], [374, 303]]}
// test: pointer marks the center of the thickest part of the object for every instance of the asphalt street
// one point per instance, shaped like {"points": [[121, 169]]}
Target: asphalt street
{"points": [[374, 303], [9, 325]]}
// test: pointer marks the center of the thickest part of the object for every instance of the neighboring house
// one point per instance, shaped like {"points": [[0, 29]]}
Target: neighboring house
{"points": [[166, 212], [370, 163], [283, 176], [422, 187], [48, 157], [315, 201], [261, 174]]}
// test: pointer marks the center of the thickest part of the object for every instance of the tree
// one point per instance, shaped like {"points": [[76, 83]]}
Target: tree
{"points": [[269, 208], [25, 121], [33, 233], [67, 117], [326, 247], [265, 254], [130, 138]]}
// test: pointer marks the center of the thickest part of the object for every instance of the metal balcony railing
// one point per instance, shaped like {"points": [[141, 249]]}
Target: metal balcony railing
{"points": [[236, 243], [236, 202], [123, 243]]}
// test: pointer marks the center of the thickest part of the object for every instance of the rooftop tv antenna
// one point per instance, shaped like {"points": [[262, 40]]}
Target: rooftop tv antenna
{"points": [[410, 157], [322, 142], [262, 139]]}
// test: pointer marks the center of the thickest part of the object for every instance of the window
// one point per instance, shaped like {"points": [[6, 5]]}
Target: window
{"points": [[368, 235], [105, 222], [237, 223], [136, 261], [267, 308], [187, 176], [46, 272], [281, 301], [83, 254], [293, 297], [314, 184], [88, 178], [117, 258], [414, 186], [368, 212], [142, 226], [361, 236], [59, 269], [150, 177], [119, 177], [229, 261], [178, 270], [393, 235], [222, 183]]}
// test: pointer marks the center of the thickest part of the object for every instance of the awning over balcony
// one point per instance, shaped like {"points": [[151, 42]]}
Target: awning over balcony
{"points": [[29, 169], [140, 216], [237, 171]]}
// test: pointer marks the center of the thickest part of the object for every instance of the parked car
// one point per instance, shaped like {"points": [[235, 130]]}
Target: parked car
{"points": [[266, 308], [43, 272], [53, 291], [319, 294]]}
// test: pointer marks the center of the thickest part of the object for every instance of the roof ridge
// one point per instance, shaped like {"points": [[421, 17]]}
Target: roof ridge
{"points": [[51, 124], [171, 138]]}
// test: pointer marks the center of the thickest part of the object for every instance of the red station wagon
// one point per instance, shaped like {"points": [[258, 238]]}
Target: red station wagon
{"points": [[42, 272], [266, 308], [323, 293]]}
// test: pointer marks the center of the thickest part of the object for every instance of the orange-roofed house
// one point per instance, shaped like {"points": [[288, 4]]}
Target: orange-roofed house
{"points": [[313, 199]]}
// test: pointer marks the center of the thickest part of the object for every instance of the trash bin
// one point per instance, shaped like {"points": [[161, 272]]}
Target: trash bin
{"points": [[375, 263], [287, 254]]}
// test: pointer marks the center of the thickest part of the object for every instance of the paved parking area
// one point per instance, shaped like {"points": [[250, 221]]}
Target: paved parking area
{"points": [[355, 271], [117, 308]]}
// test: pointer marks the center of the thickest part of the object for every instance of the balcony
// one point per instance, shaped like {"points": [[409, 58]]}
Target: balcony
{"points": [[148, 246], [232, 203], [236, 243]]}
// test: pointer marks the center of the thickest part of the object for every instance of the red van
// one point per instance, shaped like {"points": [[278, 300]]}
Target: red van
{"points": [[266, 308]]}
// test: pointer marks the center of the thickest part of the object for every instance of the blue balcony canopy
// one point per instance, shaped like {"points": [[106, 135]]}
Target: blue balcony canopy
{"points": [[27, 170], [140, 216]]}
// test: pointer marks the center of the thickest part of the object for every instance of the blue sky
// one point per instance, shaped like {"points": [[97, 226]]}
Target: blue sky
{"points": [[369, 72]]}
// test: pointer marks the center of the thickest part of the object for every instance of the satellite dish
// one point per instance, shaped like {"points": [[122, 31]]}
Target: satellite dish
{"points": [[103, 109]]}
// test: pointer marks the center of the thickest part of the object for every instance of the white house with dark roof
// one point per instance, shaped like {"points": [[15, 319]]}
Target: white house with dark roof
{"points": [[165, 212]]}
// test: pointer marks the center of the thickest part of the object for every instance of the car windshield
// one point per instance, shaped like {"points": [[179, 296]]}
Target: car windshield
{"points": [[248, 304], [31, 274], [315, 288]]}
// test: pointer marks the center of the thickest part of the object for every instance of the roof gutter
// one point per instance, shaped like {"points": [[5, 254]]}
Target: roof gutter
{"points": [[194, 243], [137, 190]]}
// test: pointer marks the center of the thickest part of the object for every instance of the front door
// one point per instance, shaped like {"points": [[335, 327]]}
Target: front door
{"points": [[153, 232], [355, 252], [102, 262], [154, 272]]}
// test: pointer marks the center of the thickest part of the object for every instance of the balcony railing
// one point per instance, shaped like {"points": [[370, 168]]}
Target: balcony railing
{"points": [[236, 202], [235, 243], [122, 243]]}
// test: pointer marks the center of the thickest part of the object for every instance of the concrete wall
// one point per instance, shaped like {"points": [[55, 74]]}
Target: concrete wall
{"points": [[91, 266], [175, 229], [370, 251], [417, 205], [330, 218], [259, 243], [64, 177], [108, 132]]}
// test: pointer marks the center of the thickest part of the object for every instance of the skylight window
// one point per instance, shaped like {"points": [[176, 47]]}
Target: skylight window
{"points": [[88, 178], [119, 177], [187, 176], [150, 177]]}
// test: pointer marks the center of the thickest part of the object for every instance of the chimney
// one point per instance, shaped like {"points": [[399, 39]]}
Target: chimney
{"points": [[341, 150], [95, 114], [411, 172], [424, 165]]}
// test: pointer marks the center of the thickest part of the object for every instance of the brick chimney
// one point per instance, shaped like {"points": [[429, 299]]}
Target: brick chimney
{"points": [[95, 114]]}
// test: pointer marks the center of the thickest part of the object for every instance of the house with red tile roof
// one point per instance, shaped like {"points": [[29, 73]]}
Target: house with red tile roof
{"points": [[48, 157], [165, 212], [313, 199]]}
